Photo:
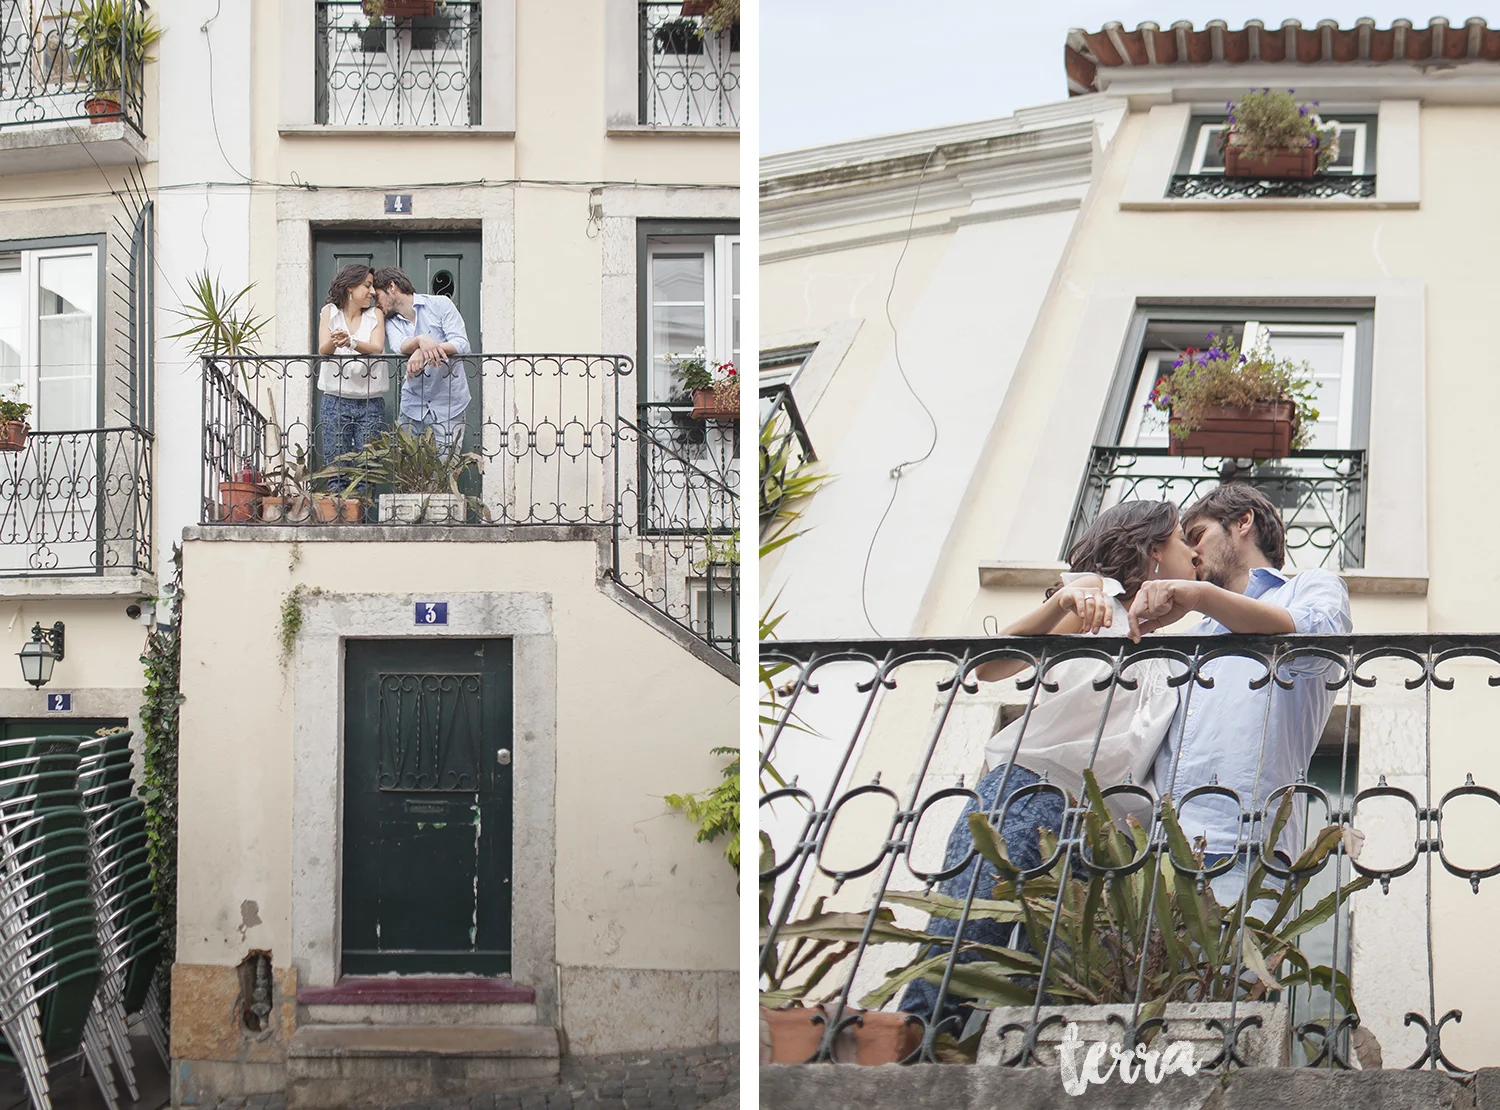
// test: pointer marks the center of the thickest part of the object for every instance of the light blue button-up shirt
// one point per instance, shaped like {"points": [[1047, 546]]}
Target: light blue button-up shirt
{"points": [[441, 392], [1221, 734]]}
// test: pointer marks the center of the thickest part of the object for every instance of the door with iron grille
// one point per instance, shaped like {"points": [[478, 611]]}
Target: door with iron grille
{"points": [[427, 807]]}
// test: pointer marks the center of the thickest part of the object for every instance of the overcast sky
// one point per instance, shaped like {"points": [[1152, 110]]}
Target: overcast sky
{"points": [[847, 69]]}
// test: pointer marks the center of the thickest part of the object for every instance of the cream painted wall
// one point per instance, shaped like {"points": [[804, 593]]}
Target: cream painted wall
{"points": [[102, 647], [635, 719]]}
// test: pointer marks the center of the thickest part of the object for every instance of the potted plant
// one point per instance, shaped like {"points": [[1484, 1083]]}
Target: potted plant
{"points": [[372, 38], [1271, 135], [1198, 958], [13, 426], [678, 36], [721, 401], [422, 475], [1223, 402], [399, 9], [290, 494], [106, 37], [239, 498]]}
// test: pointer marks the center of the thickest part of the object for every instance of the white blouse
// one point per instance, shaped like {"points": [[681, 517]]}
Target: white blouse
{"points": [[1059, 737], [355, 378]]}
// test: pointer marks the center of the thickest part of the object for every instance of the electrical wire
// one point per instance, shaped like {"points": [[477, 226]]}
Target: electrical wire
{"points": [[900, 468]]}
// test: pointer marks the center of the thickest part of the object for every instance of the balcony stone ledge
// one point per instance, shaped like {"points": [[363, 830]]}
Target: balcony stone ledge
{"points": [[70, 146], [399, 533], [1004, 575], [80, 586]]}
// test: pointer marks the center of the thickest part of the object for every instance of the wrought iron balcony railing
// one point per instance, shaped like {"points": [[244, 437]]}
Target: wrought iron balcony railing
{"points": [[76, 503], [785, 446], [1220, 187], [873, 900], [1321, 494], [41, 80], [420, 71], [530, 440], [689, 75]]}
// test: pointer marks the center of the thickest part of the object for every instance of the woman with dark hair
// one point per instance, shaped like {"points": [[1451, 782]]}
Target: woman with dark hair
{"points": [[1069, 730], [352, 411]]}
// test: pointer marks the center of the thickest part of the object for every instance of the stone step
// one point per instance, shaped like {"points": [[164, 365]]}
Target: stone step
{"points": [[333, 1066], [418, 1013], [431, 1000]]}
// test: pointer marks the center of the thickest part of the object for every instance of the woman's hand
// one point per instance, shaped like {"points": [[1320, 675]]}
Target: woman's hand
{"points": [[1093, 607]]}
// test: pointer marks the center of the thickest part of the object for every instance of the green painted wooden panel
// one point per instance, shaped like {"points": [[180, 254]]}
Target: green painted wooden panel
{"points": [[427, 807]]}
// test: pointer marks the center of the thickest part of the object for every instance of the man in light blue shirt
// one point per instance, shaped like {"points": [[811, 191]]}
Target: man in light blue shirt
{"points": [[1224, 734], [427, 328]]}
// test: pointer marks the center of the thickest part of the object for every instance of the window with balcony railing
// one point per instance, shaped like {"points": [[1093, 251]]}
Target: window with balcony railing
{"points": [[1200, 165], [398, 70], [689, 73], [41, 79], [1320, 491]]}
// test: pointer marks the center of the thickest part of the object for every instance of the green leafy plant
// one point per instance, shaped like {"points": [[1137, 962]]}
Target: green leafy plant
{"points": [[1221, 374], [291, 621], [716, 812], [161, 702], [218, 322], [407, 462], [1197, 950], [1265, 121], [103, 35], [12, 407], [691, 370], [721, 16]]}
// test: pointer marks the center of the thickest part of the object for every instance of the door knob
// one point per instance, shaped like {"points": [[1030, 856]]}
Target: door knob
{"points": [[503, 756]]}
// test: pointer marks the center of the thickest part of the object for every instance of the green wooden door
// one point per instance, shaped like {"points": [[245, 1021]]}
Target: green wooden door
{"points": [[446, 263], [427, 807]]}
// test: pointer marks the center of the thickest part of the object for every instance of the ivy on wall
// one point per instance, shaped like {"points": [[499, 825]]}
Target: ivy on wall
{"points": [[163, 697]]}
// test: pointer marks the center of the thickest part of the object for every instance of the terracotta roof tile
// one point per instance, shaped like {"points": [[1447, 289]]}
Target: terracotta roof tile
{"points": [[1149, 44]]}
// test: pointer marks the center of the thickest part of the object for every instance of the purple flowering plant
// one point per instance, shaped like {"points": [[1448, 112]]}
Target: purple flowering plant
{"points": [[1222, 374], [1265, 121]]}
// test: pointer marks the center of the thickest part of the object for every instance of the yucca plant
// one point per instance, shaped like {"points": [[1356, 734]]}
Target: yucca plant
{"points": [[104, 37], [408, 462]]}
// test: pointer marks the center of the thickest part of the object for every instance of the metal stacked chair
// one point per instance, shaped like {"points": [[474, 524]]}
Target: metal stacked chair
{"points": [[50, 956], [128, 933]]}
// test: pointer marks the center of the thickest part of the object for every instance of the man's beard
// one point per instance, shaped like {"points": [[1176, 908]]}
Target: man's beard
{"points": [[1215, 574]]}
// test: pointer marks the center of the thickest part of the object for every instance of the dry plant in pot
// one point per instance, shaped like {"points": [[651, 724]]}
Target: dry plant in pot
{"points": [[1270, 135], [1224, 402], [423, 477]]}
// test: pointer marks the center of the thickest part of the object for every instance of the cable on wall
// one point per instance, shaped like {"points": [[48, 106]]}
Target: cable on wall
{"points": [[900, 468]]}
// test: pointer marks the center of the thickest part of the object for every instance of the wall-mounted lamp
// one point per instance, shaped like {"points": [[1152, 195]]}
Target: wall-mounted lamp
{"points": [[38, 656]]}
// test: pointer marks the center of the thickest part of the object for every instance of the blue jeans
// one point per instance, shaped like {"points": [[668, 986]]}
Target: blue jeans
{"points": [[1022, 844], [348, 423]]}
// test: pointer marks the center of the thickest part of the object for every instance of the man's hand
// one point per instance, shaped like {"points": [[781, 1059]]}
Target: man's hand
{"points": [[428, 352], [1160, 603]]}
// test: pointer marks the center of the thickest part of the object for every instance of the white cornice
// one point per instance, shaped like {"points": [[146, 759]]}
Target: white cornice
{"points": [[1433, 82]]}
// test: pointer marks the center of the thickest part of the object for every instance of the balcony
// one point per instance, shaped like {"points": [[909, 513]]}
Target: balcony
{"points": [[883, 745], [44, 121], [1319, 187], [689, 75], [1321, 494], [544, 444], [77, 504], [387, 72], [785, 447]]}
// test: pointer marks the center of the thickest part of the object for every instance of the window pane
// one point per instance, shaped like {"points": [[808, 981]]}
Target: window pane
{"points": [[677, 278], [1325, 354], [12, 322], [677, 329], [734, 339], [65, 348]]}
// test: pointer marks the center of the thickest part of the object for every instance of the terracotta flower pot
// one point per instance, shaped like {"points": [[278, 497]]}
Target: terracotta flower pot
{"points": [[325, 508], [102, 109], [709, 405], [13, 435], [351, 510], [1283, 163], [696, 7], [792, 1036], [1262, 431], [275, 509], [239, 502]]}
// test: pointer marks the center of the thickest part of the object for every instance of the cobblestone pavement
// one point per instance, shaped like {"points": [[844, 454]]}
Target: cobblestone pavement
{"points": [[681, 1080]]}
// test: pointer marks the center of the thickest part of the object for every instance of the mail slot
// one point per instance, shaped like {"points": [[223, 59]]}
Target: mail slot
{"points": [[426, 809]]}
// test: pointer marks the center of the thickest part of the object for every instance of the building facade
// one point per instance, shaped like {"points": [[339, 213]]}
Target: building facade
{"points": [[1351, 271]]}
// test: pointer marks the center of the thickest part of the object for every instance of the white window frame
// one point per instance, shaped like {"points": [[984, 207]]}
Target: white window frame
{"points": [[1359, 131], [719, 299], [31, 259]]}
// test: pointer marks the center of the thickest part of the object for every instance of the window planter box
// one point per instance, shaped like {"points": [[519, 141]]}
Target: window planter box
{"points": [[791, 1036], [696, 7], [1265, 1046], [13, 435], [708, 405], [1287, 162], [422, 508], [405, 9], [1262, 431]]}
